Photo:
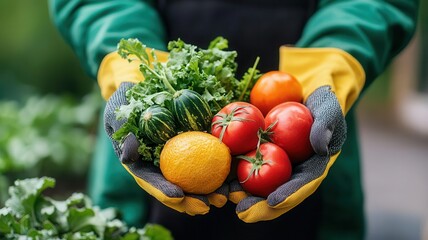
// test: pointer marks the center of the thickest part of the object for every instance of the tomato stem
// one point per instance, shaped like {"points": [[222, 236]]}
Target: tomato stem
{"points": [[264, 135], [226, 119], [257, 162]]}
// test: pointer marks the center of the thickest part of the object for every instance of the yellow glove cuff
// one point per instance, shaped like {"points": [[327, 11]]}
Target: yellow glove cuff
{"points": [[316, 67], [114, 70], [189, 205]]}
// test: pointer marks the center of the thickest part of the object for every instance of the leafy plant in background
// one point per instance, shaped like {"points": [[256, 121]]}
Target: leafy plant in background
{"points": [[48, 135], [30, 215]]}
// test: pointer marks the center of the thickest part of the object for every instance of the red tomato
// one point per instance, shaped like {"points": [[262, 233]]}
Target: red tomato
{"points": [[273, 88], [237, 125], [292, 126], [261, 175]]}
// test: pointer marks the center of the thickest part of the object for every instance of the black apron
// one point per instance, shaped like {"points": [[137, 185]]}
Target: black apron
{"points": [[253, 28]]}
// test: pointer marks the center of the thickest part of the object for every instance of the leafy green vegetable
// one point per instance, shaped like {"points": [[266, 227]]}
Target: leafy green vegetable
{"points": [[48, 129], [209, 72], [30, 215], [47, 135]]}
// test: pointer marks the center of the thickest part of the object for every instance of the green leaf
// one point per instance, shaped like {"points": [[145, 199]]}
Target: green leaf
{"points": [[25, 224], [34, 234], [16, 227], [160, 98], [25, 193], [156, 232], [133, 47], [114, 229], [157, 152], [6, 219], [80, 235], [80, 219], [57, 212], [133, 235], [125, 111], [219, 43], [46, 135], [49, 228], [146, 151]]}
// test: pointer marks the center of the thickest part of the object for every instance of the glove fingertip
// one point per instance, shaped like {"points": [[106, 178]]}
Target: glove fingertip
{"points": [[237, 196], [278, 199], [320, 139], [196, 205], [247, 203], [130, 149], [218, 200], [236, 193], [219, 197]]}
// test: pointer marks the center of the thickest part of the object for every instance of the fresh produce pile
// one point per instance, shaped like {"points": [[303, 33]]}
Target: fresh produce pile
{"points": [[259, 119], [180, 95]]}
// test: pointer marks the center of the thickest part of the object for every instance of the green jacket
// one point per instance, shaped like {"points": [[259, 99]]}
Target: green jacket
{"points": [[372, 31]]}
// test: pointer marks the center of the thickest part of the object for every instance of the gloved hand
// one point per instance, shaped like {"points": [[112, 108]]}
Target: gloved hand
{"points": [[332, 80], [147, 176]]}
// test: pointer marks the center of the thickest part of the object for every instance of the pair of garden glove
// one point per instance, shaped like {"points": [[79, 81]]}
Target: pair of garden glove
{"points": [[332, 81]]}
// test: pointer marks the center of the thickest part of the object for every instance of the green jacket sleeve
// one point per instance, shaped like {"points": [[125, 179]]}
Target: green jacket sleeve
{"points": [[93, 28], [371, 31]]}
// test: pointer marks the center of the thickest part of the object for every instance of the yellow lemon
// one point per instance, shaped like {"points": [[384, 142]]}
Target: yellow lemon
{"points": [[198, 162]]}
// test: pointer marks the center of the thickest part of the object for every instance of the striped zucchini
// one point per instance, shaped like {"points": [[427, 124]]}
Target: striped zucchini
{"points": [[191, 111], [157, 124]]}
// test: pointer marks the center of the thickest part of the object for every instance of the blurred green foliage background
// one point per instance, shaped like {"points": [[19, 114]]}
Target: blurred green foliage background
{"points": [[34, 59], [49, 108]]}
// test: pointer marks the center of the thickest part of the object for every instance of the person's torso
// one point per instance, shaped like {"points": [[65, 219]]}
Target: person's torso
{"points": [[253, 27], [258, 28]]}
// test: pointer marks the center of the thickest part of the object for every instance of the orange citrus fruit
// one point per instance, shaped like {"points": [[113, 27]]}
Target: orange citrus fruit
{"points": [[195, 161]]}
